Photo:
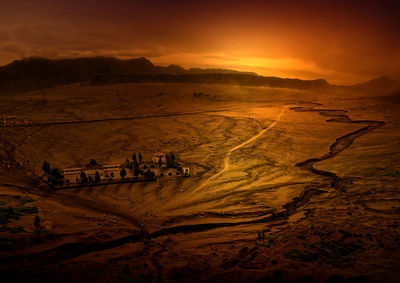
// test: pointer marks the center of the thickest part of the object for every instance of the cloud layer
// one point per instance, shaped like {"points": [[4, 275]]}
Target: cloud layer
{"points": [[343, 41]]}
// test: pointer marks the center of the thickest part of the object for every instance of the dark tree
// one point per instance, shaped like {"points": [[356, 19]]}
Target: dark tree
{"points": [[160, 161], [140, 157], [83, 178], [134, 157], [96, 177], [46, 167], [172, 162], [55, 177], [149, 174], [123, 173], [90, 179], [136, 170]]}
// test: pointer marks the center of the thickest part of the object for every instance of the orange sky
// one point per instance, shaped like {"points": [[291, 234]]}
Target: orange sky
{"points": [[342, 41]]}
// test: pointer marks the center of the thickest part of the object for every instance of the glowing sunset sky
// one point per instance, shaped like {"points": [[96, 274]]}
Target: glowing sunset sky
{"points": [[342, 41]]}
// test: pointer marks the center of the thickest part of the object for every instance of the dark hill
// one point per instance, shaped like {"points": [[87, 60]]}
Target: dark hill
{"points": [[381, 84], [37, 73]]}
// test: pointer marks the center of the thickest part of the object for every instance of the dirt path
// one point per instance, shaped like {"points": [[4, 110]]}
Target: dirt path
{"points": [[134, 117], [227, 164]]}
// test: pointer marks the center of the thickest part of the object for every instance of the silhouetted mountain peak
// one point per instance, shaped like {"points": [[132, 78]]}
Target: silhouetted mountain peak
{"points": [[383, 83]]}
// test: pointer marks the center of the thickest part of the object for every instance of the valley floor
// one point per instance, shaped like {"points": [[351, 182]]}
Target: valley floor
{"points": [[287, 186]]}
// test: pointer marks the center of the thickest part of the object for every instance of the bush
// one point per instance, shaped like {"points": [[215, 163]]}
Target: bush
{"points": [[55, 177]]}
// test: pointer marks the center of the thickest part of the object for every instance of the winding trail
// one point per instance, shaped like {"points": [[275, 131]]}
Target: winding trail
{"points": [[227, 164], [339, 145]]}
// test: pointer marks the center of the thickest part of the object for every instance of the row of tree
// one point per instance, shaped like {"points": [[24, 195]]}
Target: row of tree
{"points": [[134, 166], [84, 179], [54, 175]]}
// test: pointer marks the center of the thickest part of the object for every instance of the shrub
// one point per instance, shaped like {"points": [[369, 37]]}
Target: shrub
{"points": [[55, 177]]}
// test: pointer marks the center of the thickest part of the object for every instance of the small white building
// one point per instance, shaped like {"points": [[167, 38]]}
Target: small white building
{"points": [[106, 172], [186, 171]]}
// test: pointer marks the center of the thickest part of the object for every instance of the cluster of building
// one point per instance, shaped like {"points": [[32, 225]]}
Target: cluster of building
{"points": [[160, 165]]}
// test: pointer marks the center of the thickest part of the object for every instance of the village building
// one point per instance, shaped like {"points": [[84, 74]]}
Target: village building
{"points": [[105, 172], [161, 166], [186, 171]]}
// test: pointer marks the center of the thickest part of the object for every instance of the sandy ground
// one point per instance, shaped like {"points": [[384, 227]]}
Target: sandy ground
{"points": [[248, 213]]}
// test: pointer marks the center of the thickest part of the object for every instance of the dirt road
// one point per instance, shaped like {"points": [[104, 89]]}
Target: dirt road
{"points": [[227, 164]]}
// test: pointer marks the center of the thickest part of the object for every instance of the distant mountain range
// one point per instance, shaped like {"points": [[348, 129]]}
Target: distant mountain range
{"points": [[38, 73]]}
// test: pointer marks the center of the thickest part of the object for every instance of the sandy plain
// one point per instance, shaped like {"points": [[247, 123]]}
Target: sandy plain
{"points": [[252, 209]]}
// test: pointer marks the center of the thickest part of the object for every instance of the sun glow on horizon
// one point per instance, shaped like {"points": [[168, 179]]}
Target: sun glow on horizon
{"points": [[279, 67]]}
